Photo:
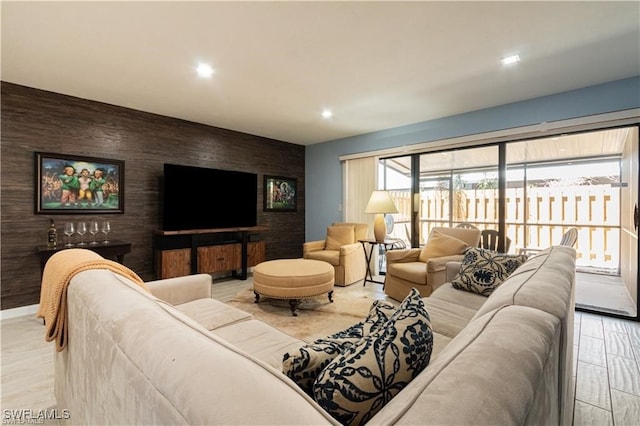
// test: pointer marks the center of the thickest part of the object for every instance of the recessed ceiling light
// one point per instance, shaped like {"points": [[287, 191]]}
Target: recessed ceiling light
{"points": [[510, 59], [204, 70], [327, 113]]}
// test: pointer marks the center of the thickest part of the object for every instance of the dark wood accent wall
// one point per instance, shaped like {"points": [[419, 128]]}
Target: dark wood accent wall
{"points": [[35, 120]]}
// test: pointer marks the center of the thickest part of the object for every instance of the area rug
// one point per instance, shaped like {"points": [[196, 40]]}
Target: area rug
{"points": [[317, 317]]}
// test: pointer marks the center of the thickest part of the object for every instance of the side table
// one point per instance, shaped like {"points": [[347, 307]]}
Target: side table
{"points": [[112, 249], [386, 245]]}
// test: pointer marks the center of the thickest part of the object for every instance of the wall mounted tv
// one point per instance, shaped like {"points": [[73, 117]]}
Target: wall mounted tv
{"points": [[204, 198]]}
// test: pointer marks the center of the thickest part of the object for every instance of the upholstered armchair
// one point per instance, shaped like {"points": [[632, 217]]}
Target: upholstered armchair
{"points": [[342, 250], [425, 268]]}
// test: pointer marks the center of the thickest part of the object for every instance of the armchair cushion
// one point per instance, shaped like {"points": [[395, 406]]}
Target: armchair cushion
{"points": [[415, 272], [439, 245], [482, 271], [340, 235]]}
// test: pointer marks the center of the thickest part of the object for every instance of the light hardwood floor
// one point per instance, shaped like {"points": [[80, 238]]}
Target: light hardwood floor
{"points": [[606, 364]]}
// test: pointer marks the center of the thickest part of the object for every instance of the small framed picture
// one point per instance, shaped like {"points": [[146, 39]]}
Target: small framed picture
{"points": [[69, 184], [280, 194]]}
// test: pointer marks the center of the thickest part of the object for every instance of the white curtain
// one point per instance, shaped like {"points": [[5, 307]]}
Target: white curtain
{"points": [[360, 177], [359, 181]]}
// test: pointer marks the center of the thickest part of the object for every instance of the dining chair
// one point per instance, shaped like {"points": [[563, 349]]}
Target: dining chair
{"points": [[489, 239]]}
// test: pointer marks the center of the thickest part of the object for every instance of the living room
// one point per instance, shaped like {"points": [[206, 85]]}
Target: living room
{"points": [[113, 132], [41, 118]]}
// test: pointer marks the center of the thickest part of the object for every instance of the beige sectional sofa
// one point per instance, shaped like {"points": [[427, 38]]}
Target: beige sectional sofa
{"points": [[179, 357]]}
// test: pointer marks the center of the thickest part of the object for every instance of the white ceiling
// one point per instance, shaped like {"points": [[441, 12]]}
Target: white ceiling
{"points": [[377, 65], [587, 145]]}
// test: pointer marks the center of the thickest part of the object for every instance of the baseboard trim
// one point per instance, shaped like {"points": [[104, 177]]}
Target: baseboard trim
{"points": [[18, 312]]}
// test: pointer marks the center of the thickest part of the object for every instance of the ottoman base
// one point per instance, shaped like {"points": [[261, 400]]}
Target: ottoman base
{"points": [[293, 303]]}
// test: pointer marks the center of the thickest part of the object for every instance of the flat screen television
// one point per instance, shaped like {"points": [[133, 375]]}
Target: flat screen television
{"points": [[205, 198]]}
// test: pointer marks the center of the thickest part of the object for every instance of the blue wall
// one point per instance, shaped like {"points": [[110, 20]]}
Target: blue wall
{"points": [[323, 171]]}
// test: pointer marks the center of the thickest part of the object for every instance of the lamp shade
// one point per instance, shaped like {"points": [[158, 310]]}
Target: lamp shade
{"points": [[380, 202]]}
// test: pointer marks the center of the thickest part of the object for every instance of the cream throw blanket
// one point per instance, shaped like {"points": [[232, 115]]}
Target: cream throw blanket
{"points": [[58, 271]]}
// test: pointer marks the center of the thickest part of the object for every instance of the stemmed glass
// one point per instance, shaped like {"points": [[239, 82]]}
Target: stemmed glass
{"points": [[93, 230], [69, 230], [81, 230], [106, 227]]}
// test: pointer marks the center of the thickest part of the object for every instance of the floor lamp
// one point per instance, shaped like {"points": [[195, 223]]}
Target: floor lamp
{"points": [[380, 204]]}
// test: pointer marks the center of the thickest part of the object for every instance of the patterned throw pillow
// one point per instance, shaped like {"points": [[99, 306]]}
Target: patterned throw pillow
{"points": [[304, 365], [369, 373], [482, 271]]}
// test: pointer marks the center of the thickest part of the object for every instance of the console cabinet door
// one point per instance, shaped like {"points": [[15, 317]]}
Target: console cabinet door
{"points": [[255, 253], [173, 263], [226, 257]]}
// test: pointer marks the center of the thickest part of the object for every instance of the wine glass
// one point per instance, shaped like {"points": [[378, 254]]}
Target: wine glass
{"points": [[94, 228], [81, 230], [106, 228], [69, 230]]}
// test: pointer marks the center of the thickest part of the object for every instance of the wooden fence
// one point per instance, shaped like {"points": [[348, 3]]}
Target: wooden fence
{"points": [[535, 217]]}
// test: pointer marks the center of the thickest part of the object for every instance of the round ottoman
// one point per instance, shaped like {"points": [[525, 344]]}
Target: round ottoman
{"points": [[293, 279]]}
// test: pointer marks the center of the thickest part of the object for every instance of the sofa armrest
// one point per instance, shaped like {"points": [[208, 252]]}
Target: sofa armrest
{"points": [[177, 291], [310, 246], [402, 256], [453, 268]]}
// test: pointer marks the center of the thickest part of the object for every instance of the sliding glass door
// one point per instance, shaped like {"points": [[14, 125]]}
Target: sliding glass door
{"points": [[458, 188], [532, 192]]}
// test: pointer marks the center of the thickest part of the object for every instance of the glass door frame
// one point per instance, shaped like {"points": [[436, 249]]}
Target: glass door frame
{"points": [[502, 190]]}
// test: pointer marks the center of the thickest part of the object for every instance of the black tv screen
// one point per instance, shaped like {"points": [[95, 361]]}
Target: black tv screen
{"points": [[204, 198]]}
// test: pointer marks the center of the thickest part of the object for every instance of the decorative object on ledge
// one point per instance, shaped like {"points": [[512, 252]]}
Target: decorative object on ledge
{"points": [[69, 184], [280, 194]]}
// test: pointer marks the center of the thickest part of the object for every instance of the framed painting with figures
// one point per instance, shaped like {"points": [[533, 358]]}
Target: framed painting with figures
{"points": [[280, 194], [71, 184]]}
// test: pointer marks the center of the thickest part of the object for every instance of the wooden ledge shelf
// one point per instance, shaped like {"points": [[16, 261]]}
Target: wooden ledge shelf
{"points": [[212, 231]]}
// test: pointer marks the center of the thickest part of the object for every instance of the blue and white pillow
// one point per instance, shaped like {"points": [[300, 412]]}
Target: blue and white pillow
{"points": [[482, 271], [368, 374], [306, 363]]}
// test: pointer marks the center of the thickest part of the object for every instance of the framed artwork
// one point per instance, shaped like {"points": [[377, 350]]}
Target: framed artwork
{"points": [[69, 184], [280, 194]]}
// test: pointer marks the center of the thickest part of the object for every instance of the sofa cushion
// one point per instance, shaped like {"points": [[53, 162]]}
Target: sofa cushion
{"points": [[304, 364], [482, 271], [360, 381], [440, 341], [212, 314], [448, 318], [259, 339], [448, 293], [339, 235], [439, 245]]}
